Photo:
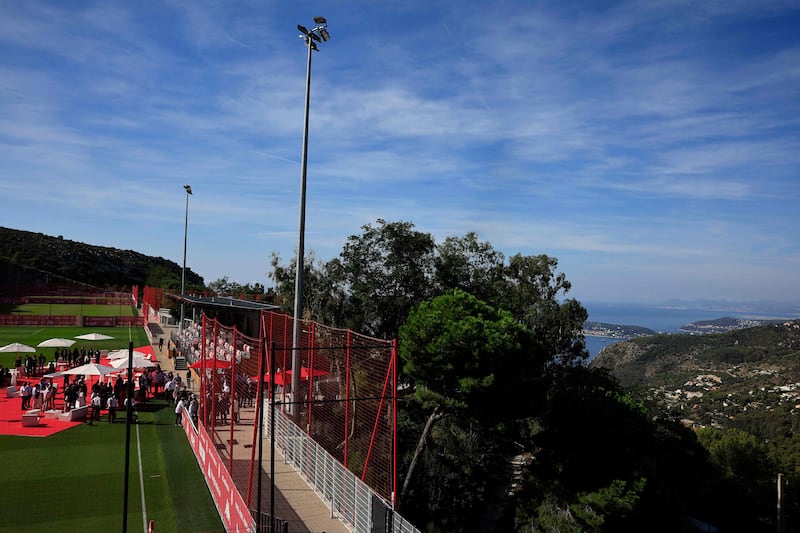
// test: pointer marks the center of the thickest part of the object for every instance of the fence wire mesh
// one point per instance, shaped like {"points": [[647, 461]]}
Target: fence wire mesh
{"points": [[343, 408]]}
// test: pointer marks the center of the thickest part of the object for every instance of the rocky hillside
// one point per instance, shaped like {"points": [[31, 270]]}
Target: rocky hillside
{"points": [[27, 257], [740, 378]]}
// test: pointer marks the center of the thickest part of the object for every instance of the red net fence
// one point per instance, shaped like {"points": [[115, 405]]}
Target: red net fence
{"points": [[73, 321], [344, 398], [55, 294]]}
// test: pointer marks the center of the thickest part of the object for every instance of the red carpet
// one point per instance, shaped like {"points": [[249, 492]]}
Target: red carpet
{"points": [[11, 413], [11, 420]]}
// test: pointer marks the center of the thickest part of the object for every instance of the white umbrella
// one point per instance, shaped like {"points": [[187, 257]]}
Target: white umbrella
{"points": [[16, 347], [94, 337], [56, 343], [138, 362], [123, 354], [92, 369]]}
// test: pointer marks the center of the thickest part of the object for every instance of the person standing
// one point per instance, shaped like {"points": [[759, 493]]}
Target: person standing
{"points": [[179, 411], [25, 393], [169, 388], [96, 402], [193, 407], [112, 409]]}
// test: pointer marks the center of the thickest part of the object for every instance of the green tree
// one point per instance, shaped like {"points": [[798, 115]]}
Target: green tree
{"points": [[471, 265], [387, 270], [532, 290], [324, 297], [162, 277], [466, 362], [461, 353]]}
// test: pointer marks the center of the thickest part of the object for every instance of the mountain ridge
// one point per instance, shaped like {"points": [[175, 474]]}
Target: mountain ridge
{"points": [[28, 256]]}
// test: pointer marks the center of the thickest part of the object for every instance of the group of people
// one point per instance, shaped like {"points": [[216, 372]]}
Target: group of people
{"points": [[40, 395], [109, 396], [37, 365], [77, 356], [188, 402]]}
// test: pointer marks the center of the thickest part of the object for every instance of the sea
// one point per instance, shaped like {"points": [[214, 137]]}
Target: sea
{"points": [[670, 318]]}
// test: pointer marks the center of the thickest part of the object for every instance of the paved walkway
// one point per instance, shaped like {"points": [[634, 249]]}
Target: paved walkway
{"points": [[295, 500]]}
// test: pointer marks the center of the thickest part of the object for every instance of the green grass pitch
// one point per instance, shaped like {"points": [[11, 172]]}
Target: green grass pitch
{"points": [[74, 480], [33, 335], [67, 309]]}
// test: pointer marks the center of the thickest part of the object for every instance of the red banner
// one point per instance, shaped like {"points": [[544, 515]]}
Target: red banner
{"points": [[230, 504]]}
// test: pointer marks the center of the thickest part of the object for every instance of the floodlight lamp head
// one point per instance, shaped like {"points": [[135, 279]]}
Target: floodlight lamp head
{"points": [[320, 20], [324, 34], [313, 36], [313, 45], [188, 189], [302, 29]]}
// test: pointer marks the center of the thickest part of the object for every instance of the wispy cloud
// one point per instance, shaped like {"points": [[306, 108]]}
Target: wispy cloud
{"points": [[646, 144]]}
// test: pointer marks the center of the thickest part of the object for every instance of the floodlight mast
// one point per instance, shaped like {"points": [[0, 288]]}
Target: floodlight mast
{"points": [[310, 37], [188, 190]]}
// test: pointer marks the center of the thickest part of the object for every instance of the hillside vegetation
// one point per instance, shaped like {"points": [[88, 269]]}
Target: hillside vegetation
{"points": [[27, 257], [739, 390]]}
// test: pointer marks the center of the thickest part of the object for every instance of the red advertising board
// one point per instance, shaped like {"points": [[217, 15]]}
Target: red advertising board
{"points": [[230, 504]]}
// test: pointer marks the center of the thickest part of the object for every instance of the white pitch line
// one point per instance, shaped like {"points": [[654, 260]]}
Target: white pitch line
{"points": [[141, 480]]}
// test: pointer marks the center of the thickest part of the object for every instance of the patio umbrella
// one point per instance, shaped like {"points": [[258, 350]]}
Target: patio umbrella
{"points": [[138, 362], [123, 354], [280, 377], [94, 337], [315, 373], [56, 343], [16, 347], [92, 369]]}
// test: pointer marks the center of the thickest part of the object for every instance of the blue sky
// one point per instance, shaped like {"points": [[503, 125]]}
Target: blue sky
{"points": [[652, 147]]}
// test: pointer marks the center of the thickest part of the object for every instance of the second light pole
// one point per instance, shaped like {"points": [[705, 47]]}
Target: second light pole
{"points": [[183, 272], [311, 37]]}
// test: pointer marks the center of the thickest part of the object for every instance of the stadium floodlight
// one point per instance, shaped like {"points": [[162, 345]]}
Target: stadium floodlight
{"points": [[188, 189], [311, 37], [302, 29]]}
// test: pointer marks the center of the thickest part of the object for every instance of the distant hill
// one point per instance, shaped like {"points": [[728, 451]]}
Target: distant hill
{"points": [[602, 329], [747, 378], [726, 323], [26, 258]]}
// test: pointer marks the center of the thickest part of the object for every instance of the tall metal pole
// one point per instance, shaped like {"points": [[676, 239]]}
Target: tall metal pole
{"points": [[298, 280], [262, 355], [781, 523], [183, 272], [128, 411], [271, 437]]}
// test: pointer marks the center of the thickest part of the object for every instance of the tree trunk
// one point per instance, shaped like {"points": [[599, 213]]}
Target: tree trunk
{"points": [[435, 415]]}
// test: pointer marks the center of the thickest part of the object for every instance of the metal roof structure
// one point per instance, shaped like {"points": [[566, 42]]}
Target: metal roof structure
{"points": [[225, 302]]}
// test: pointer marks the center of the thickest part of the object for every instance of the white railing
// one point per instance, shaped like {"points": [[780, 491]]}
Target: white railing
{"points": [[343, 492]]}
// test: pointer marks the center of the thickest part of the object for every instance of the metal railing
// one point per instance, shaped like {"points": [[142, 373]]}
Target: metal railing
{"points": [[269, 524], [346, 495]]}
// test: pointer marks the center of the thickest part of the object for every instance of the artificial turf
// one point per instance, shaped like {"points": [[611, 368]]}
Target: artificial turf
{"points": [[67, 309], [33, 335], [74, 480]]}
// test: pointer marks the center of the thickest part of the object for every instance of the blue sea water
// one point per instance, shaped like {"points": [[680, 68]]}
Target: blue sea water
{"points": [[662, 319]]}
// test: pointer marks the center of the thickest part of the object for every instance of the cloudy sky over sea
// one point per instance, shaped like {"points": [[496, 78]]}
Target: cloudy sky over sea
{"points": [[652, 147]]}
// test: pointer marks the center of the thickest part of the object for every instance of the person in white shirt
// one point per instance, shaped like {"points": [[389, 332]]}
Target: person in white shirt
{"points": [[179, 411], [25, 393], [169, 389], [96, 403], [112, 409]]}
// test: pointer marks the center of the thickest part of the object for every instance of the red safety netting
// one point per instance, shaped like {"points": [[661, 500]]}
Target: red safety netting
{"points": [[345, 398]]}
